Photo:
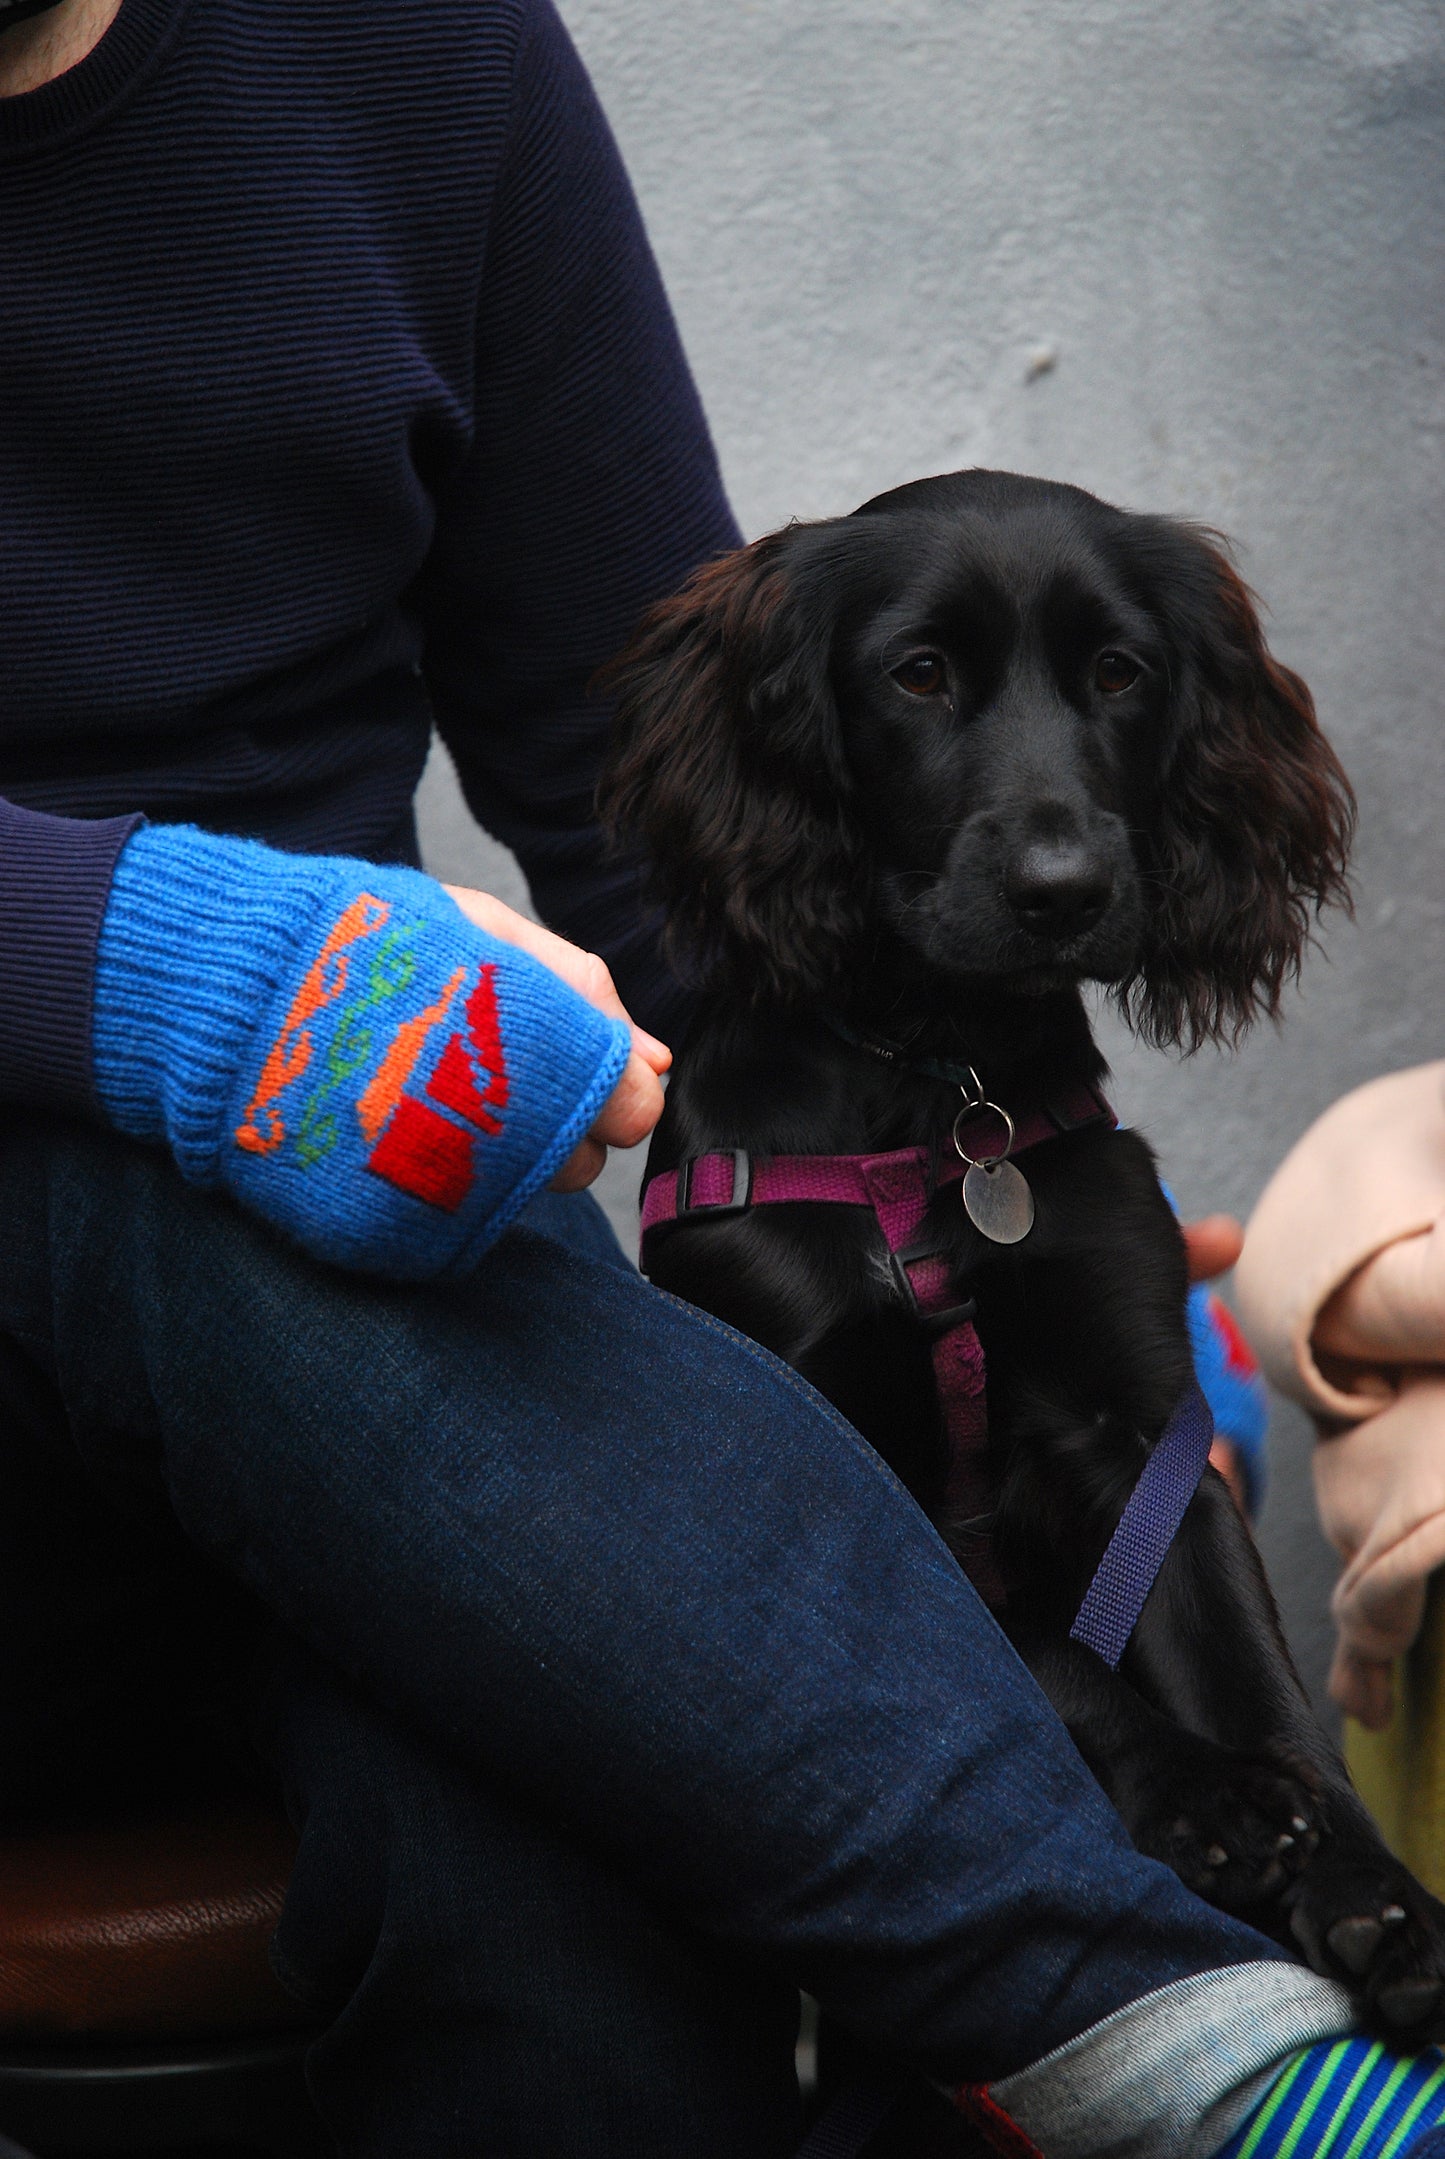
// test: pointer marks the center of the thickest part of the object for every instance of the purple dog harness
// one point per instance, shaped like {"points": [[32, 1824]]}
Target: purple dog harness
{"points": [[896, 1188]]}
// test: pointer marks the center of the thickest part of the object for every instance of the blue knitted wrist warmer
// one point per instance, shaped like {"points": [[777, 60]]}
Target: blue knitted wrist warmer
{"points": [[1228, 1375], [1226, 1369], [339, 1048]]}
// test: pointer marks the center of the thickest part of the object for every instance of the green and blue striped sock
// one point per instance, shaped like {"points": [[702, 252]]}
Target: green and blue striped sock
{"points": [[1353, 2099]]}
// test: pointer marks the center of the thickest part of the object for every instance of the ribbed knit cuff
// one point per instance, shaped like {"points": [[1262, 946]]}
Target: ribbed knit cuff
{"points": [[55, 877], [198, 938], [340, 1048]]}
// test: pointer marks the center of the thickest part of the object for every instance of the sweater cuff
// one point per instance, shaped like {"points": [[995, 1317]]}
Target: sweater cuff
{"points": [[55, 879]]}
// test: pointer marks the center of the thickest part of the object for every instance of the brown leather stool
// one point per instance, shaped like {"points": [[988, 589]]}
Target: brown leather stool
{"points": [[138, 2011]]}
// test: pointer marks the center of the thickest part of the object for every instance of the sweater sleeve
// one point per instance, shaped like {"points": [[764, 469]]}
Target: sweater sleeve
{"points": [[592, 489], [55, 878]]}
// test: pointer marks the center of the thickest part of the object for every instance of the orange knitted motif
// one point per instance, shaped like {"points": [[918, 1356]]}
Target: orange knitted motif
{"points": [[383, 1090], [290, 1053]]}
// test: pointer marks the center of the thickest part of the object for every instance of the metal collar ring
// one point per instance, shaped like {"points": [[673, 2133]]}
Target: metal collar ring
{"points": [[971, 1110]]}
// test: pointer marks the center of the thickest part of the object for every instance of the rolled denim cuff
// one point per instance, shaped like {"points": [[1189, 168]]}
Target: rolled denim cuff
{"points": [[1172, 2075]]}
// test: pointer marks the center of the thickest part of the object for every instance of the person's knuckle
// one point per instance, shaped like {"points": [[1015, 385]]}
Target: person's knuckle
{"points": [[596, 976]]}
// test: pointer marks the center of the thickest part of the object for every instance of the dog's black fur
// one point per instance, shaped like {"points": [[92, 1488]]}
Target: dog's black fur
{"points": [[928, 768]]}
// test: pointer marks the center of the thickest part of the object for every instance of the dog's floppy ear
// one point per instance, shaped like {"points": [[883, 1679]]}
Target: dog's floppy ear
{"points": [[1251, 831], [728, 768]]}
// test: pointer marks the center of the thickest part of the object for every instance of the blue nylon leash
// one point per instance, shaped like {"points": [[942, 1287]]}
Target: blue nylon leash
{"points": [[1146, 1529]]}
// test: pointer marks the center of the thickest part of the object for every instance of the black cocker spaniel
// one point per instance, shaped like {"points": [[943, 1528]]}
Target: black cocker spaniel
{"points": [[907, 780]]}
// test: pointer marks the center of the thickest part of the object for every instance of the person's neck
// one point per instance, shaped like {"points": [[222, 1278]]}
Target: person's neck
{"points": [[34, 52]]}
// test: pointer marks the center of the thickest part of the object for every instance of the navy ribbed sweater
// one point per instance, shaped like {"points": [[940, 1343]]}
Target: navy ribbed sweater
{"points": [[338, 394]]}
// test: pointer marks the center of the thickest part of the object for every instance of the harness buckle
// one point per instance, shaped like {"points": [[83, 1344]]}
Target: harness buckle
{"points": [[933, 1324], [740, 1198]]}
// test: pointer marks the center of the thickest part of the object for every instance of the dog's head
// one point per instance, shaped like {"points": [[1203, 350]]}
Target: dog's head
{"points": [[1014, 731]]}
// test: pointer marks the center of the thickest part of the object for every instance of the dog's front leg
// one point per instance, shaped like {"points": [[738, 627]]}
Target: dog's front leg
{"points": [[1209, 1649], [1236, 1826]]}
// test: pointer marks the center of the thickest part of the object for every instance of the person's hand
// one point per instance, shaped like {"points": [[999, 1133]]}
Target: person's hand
{"points": [[1213, 1244], [635, 1104]]}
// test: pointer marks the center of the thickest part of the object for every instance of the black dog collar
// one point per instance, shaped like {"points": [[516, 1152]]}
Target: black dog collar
{"points": [[897, 1053]]}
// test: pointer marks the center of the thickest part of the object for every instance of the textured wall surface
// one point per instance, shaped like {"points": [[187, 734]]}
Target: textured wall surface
{"points": [[1186, 256]]}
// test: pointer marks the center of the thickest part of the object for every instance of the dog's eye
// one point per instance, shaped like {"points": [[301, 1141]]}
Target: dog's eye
{"points": [[1115, 671], [923, 674]]}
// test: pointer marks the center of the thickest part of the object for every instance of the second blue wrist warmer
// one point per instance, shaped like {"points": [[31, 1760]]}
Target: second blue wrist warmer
{"points": [[340, 1048], [1226, 1369]]}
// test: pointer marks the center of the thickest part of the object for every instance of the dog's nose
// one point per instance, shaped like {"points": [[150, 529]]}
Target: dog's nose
{"points": [[1058, 889]]}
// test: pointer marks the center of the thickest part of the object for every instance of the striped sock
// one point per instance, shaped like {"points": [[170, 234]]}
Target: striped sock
{"points": [[1353, 2099]]}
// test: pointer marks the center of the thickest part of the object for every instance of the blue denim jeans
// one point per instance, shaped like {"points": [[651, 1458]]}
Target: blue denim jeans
{"points": [[618, 1687]]}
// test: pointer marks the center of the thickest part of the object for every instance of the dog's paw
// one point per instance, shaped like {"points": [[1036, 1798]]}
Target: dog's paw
{"points": [[1236, 1830], [1359, 1916]]}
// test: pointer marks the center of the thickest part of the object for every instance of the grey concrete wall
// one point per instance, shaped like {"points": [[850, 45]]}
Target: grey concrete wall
{"points": [[1182, 252]]}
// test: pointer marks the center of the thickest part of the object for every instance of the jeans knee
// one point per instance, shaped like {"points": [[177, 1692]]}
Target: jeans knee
{"points": [[462, 1945]]}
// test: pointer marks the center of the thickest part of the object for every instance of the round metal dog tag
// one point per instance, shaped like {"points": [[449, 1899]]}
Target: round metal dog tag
{"points": [[997, 1200]]}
